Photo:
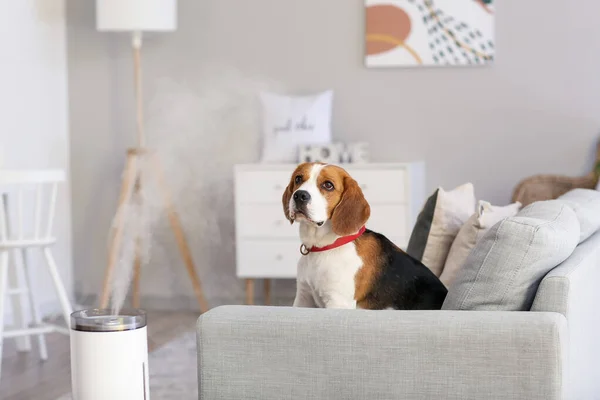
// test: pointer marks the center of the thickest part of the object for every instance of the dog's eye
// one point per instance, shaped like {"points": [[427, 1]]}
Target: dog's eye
{"points": [[298, 179], [327, 186]]}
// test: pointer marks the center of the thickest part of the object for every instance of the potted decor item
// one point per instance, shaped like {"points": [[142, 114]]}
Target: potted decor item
{"points": [[548, 187]]}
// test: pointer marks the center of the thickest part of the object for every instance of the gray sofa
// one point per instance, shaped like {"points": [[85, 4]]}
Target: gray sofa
{"points": [[550, 351]]}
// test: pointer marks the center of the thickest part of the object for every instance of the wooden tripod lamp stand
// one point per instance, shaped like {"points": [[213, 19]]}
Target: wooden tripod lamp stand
{"points": [[136, 16]]}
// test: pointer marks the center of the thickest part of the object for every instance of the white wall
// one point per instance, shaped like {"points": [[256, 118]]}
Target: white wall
{"points": [[535, 110], [33, 113]]}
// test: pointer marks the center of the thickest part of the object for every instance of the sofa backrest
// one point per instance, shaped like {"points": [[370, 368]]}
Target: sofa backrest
{"points": [[555, 293], [586, 204]]}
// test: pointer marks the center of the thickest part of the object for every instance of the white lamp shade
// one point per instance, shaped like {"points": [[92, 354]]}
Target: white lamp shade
{"points": [[136, 15]]}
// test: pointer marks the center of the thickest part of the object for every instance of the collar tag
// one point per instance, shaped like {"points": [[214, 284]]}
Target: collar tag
{"points": [[304, 250]]}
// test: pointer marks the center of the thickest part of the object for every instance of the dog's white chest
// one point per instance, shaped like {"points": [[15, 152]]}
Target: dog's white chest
{"points": [[330, 275]]}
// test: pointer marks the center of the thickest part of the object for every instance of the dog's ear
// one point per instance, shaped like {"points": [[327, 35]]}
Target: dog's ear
{"points": [[285, 199], [352, 212]]}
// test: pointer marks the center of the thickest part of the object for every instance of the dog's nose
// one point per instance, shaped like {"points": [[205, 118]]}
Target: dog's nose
{"points": [[301, 197]]}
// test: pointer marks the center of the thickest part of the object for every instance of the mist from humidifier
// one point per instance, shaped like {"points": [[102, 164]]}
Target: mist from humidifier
{"points": [[199, 131]]}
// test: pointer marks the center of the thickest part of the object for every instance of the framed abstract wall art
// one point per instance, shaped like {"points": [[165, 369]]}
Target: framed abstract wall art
{"points": [[413, 33]]}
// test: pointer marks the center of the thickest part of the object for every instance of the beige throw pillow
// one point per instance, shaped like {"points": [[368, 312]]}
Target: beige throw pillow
{"points": [[452, 209], [484, 218]]}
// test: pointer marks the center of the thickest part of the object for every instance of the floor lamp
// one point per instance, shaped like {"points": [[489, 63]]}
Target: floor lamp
{"points": [[136, 16]]}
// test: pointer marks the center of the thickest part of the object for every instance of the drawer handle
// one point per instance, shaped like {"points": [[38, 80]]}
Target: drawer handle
{"points": [[279, 257]]}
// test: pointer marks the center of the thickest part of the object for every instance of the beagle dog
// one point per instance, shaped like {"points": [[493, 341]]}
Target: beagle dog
{"points": [[343, 264]]}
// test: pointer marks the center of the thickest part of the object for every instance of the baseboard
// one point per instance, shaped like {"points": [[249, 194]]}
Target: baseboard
{"points": [[49, 310], [184, 303]]}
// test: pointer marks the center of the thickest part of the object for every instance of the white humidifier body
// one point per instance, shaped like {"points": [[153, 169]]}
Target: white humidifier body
{"points": [[109, 355]]}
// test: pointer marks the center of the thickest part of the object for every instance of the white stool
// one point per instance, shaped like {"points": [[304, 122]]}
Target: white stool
{"points": [[30, 196]]}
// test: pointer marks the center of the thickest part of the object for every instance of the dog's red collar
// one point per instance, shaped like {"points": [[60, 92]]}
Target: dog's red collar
{"points": [[338, 242]]}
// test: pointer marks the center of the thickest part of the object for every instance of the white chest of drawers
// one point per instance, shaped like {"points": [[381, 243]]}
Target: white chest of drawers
{"points": [[267, 246]]}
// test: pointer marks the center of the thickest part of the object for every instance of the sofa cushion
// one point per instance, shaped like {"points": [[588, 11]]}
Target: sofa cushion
{"points": [[438, 224], [506, 266], [586, 204], [471, 232]]}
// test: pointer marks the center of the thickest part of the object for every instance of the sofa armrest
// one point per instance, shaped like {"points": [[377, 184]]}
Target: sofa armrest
{"points": [[295, 353], [571, 289]]}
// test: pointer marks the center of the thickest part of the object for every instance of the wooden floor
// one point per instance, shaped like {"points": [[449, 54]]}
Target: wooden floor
{"points": [[25, 377]]}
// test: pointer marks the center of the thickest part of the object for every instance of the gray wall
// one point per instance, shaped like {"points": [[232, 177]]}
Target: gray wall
{"points": [[536, 110], [34, 131]]}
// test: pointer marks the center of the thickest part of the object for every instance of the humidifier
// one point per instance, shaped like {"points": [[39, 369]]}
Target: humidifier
{"points": [[109, 355]]}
